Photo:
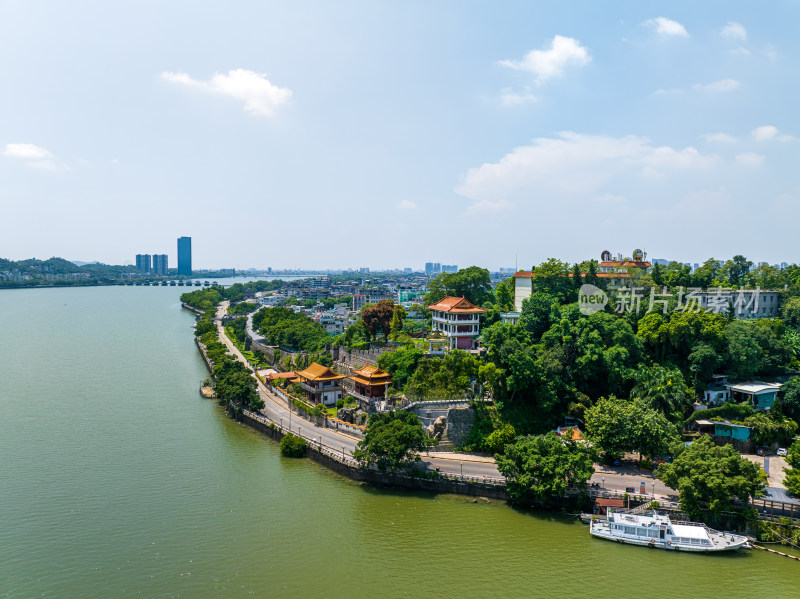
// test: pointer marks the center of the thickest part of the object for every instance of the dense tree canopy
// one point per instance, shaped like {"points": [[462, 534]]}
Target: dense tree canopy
{"points": [[473, 283], [792, 480], [392, 441], [438, 377], [662, 389], [709, 475], [401, 364], [285, 328], [617, 425], [540, 467]]}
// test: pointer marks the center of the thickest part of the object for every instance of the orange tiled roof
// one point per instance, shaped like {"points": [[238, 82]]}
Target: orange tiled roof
{"points": [[318, 372], [526, 274], [455, 305], [627, 263], [281, 375], [370, 372]]}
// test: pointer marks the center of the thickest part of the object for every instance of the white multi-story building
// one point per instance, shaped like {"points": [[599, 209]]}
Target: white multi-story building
{"points": [[458, 320], [745, 303]]}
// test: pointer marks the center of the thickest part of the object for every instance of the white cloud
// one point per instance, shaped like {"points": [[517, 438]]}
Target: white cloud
{"points": [[769, 133], [667, 27], [764, 133], [750, 159], [406, 205], [574, 165], [28, 151], [552, 62], [46, 165], [260, 96], [723, 85], [723, 138], [668, 92], [734, 31], [740, 51], [770, 52], [509, 97]]}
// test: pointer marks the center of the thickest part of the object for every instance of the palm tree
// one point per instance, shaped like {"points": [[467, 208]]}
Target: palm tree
{"points": [[661, 388]]}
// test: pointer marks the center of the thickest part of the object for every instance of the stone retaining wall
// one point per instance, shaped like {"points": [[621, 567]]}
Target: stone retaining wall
{"points": [[377, 477]]}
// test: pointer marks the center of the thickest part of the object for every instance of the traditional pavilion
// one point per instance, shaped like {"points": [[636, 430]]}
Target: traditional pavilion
{"points": [[458, 320], [371, 381], [436, 344], [321, 384]]}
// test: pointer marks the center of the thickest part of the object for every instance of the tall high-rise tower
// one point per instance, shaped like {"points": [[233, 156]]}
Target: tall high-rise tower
{"points": [[160, 264], [143, 263], [185, 256]]}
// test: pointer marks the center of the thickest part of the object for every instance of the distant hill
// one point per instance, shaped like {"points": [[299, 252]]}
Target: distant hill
{"points": [[81, 263]]}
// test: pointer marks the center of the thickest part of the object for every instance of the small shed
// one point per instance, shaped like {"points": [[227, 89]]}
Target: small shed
{"points": [[601, 504]]}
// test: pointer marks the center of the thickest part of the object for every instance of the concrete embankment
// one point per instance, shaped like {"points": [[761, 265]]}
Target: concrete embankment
{"points": [[344, 465]]}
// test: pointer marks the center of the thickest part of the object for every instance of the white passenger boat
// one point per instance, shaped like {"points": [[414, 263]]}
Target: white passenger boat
{"points": [[658, 531]]}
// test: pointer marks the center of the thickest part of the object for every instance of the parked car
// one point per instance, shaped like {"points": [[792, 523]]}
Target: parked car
{"points": [[762, 450], [782, 451]]}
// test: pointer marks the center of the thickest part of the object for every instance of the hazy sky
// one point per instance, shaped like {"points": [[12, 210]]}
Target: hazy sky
{"points": [[387, 134]]}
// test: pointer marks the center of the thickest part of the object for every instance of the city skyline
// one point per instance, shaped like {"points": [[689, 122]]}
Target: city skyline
{"points": [[567, 129]]}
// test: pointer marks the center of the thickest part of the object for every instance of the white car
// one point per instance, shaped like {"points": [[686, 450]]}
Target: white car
{"points": [[781, 451]]}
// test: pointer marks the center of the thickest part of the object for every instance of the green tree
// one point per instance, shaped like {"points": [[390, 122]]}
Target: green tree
{"points": [[552, 277], [504, 296], [738, 269], [616, 426], [473, 283], [401, 364], [657, 274], [756, 348], [541, 467], [791, 399], [500, 437], [663, 389], [791, 312], [234, 384], [450, 375], [397, 321], [767, 430], [709, 475], [392, 441], [539, 312], [293, 446], [792, 480]]}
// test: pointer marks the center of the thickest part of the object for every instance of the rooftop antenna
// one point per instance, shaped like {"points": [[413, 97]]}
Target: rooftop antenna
{"points": [[516, 261]]}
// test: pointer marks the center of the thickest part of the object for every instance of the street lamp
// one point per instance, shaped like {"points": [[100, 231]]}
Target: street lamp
{"points": [[342, 453], [654, 489], [462, 470], [604, 482]]}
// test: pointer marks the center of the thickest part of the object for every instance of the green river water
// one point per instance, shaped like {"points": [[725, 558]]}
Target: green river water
{"points": [[117, 479]]}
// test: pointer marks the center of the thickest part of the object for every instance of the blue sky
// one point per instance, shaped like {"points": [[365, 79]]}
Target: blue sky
{"points": [[388, 134]]}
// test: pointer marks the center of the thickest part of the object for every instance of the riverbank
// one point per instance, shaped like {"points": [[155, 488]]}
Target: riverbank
{"points": [[342, 461]]}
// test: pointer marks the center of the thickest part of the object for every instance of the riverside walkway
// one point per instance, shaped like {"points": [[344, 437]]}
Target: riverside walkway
{"points": [[338, 443]]}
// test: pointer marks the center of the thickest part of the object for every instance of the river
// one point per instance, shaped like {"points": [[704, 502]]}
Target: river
{"points": [[117, 479]]}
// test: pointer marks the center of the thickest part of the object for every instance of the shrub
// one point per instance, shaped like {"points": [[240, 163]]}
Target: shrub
{"points": [[501, 437], [293, 446]]}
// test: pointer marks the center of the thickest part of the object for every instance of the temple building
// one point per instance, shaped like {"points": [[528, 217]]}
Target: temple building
{"points": [[458, 320], [371, 381], [321, 384]]}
